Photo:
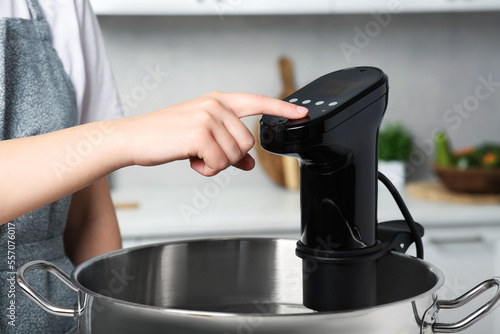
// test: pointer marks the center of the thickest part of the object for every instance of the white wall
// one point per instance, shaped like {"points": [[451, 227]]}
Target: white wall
{"points": [[433, 62]]}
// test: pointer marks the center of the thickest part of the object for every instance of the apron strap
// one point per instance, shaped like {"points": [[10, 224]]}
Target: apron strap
{"points": [[39, 20], [35, 10]]}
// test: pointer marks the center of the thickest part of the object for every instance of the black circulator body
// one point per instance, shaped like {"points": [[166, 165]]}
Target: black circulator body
{"points": [[337, 146]]}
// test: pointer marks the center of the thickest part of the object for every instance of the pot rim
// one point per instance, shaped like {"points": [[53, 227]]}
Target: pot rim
{"points": [[82, 266]]}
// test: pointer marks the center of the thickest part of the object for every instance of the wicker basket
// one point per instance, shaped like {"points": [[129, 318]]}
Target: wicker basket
{"points": [[471, 180]]}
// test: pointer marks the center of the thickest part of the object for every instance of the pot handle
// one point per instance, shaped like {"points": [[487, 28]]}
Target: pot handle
{"points": [[39, 299], [474, 317]]}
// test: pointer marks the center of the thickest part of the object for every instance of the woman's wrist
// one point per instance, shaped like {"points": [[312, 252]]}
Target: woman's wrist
{"points": [[118, 137]]}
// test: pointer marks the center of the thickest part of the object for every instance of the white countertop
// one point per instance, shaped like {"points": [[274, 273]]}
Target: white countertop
{"points": [[185, 212]]}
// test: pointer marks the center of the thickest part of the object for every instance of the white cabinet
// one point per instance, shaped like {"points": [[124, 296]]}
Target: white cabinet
{"points": [[467, 256], [392, 6], [448, 5], [210, 7], [409, 6], [477, 5], [283, 7], [266, 7], [150, 7]]}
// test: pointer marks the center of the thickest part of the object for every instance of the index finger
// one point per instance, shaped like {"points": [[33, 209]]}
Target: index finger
{"points": [[244, 105]]}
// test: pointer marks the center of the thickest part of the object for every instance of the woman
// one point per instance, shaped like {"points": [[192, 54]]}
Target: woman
{"points": [[60, 135]]}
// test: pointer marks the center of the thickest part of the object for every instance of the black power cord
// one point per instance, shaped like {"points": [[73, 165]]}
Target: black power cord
{"points": [[406, 214]]}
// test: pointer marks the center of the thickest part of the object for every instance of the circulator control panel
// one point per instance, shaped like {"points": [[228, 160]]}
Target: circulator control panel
{"points": [[330, 93]]}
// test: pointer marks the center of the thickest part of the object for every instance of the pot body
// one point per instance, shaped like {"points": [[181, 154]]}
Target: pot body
{"points": [[239, 286], [244, 286]]}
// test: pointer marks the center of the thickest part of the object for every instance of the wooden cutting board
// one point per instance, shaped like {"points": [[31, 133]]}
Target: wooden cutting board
{"points": [[282, 170], [437, 192]]}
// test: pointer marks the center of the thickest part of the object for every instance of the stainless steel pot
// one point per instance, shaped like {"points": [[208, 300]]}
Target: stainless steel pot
{"points": [[243, 286]]}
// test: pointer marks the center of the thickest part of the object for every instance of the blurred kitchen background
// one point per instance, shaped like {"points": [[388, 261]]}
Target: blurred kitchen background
{"points": [[442, 58], [434, 61]]}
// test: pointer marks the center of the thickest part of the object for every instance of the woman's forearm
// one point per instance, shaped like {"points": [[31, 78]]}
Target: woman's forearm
{"points": [[35, 171]]}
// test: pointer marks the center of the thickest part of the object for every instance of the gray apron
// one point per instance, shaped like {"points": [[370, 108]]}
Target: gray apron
{"points": [[36, 97]]}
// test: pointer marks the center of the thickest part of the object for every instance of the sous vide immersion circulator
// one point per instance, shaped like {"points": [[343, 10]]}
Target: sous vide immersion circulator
{"points": [[337, 145]]}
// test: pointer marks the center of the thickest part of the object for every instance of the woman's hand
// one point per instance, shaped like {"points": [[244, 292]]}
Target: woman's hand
{"points": [[207, 130]]}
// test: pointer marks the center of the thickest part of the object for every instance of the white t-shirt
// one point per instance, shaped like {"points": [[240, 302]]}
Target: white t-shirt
{"points": [[77, 38]]}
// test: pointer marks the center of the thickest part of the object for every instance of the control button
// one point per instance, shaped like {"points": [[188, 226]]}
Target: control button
{"points": [[306, 101], [319, 103], [331, 104], [293, 100]]}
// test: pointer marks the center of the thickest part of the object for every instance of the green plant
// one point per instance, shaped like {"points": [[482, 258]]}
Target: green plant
{"points": [[486, 155], [395, 142]]}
